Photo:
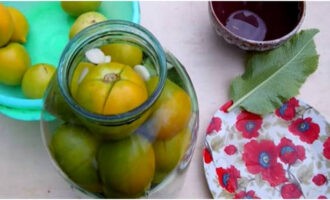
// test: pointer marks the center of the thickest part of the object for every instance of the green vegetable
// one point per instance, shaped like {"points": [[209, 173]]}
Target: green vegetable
{"points": [[273, 77]]}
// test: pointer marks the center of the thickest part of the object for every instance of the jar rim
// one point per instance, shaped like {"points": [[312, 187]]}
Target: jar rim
{"points": [[83, 38]]}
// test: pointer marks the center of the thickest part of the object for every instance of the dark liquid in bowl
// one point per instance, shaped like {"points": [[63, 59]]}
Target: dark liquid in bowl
{"points": [[259, 20]]}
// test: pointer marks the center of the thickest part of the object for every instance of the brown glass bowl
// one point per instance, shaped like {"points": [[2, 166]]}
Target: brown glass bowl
{"points": [[256, 25]]}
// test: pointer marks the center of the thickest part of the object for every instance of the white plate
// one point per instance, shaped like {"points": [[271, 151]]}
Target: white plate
{"points": [[285, 154]]}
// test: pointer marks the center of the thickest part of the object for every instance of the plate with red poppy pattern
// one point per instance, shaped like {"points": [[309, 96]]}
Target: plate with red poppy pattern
{"points": [[284, 154]]}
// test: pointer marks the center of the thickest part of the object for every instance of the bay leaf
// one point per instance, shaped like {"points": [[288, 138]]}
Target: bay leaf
{"points": [[273, 77]]}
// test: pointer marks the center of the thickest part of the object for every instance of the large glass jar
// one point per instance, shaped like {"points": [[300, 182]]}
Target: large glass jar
{"points": [[99, 142]]}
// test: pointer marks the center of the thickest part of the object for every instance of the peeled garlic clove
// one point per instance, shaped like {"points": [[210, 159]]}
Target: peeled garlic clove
{"points": [[142, 71], [169, 66], [107, 59], [95, 56]]}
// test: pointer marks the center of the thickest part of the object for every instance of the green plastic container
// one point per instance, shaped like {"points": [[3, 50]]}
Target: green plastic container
{"points": [[47, 37]]}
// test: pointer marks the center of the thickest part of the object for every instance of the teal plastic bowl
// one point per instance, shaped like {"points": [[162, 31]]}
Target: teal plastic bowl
{"points": [[47, 37]]}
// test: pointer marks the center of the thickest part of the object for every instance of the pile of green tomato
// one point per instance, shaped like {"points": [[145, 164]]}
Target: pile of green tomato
{"points": [[129, 160]]}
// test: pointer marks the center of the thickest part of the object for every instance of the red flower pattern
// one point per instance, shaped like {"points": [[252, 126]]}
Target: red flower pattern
{"points": [[288, 110], [262, 158], [319, 179], [207, 156], [249, 124], [268, 158], [215, 125], [290, 153], [326, 148], [306, 129], [290, 191], [246, 195], [230, 149], [226, 106], [228, 178]]}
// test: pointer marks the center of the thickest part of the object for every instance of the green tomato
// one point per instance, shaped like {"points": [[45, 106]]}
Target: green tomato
{"points": [[123, 53], [85, 20], [79, 74], [74, 149], [171, 111], [15, 60], [169, 152], [126, 166], [56, 105], [36, 80], [76, 8]]}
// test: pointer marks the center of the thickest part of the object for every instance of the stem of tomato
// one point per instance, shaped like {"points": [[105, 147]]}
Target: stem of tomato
{"points": [[110, 77]]}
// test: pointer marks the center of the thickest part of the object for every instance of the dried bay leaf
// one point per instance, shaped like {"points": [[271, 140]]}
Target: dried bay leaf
{"points": [[275, 76]]}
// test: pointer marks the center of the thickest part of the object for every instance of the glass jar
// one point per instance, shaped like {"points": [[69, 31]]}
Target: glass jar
{"points": [[142, 151]]}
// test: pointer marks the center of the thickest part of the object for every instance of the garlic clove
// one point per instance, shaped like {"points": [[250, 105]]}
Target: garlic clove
{"points": [[95, 56], [107, 59], [142, 71]]}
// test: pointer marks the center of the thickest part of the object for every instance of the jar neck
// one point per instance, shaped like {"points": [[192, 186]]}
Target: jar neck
{"points": [[108, 32]]}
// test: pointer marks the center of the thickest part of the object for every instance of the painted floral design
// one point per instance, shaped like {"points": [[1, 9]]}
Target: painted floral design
{"points": [[306, 129], [291, 191], [285, 154], [288, 110], [262, 158], [290, 153], [228, 178], [326, 148], [246, 195], [215, 125], [230, 149], [319, 179], [207, 156], [249, 124], [226, 106]]}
